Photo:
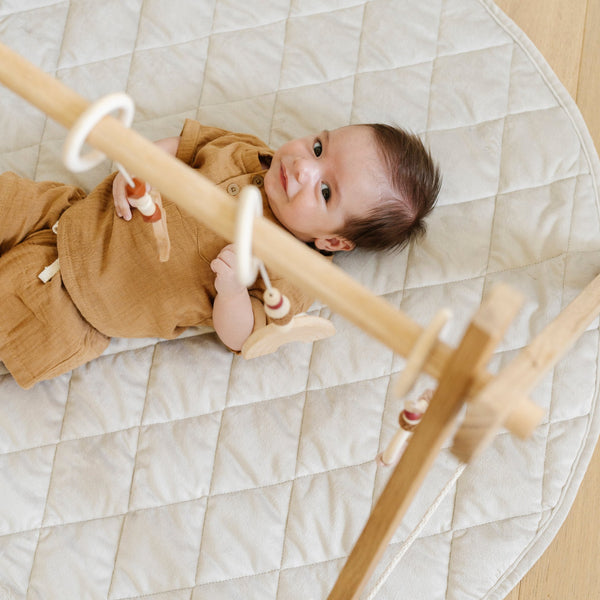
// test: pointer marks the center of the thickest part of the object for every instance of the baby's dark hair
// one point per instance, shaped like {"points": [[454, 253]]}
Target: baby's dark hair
{"points": [[415, 182]]}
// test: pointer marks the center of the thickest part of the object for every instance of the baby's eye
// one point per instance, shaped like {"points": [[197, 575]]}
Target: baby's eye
{"points": [[317, 148], [325, 191]]}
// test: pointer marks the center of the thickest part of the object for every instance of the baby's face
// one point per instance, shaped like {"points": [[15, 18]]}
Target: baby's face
{"points": [[316, 183]]}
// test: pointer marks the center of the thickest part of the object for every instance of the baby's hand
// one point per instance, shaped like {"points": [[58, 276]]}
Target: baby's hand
{"points": [[223, 266], [122, 206]]}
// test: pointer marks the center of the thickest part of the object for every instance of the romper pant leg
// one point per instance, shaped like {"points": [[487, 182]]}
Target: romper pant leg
{"points": [[42, 334], [27, 206]]}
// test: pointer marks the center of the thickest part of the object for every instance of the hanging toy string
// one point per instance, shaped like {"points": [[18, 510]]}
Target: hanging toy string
{"points": [[126, 175], [408, 542]]}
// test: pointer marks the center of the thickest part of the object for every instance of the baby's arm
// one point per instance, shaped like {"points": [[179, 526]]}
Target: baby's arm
{"points": [[122, 207], [232, 316]]}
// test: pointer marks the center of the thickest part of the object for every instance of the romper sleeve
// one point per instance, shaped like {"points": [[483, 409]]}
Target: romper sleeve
{"points": [[193, 137]]}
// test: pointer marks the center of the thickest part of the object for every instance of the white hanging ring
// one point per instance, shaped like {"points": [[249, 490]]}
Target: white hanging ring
{"points": [[84, 125], [249, 207]]}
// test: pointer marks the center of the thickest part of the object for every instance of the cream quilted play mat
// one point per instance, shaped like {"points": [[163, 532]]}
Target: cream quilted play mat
{"points": [[177, 471]]}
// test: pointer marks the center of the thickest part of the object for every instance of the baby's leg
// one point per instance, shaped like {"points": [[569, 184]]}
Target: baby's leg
{"points": [[27, 207], [42, 334]]}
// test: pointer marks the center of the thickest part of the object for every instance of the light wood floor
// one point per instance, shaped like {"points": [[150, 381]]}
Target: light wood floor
{"points": [[567, 32]]}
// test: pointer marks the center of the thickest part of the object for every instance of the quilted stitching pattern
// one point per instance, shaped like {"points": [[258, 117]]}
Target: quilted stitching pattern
{"points": [[174, 470]]}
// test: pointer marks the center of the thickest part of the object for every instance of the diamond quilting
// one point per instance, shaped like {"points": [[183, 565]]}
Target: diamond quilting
{"points": [[427, 300], [302, 65], [309, 581], [34, 421], [91, 478], [310, 7], [94, 34], [26, 135], [539, 216], [45, 52], [173, 461], [583, 227], [440, 258], [14, 161], [177, 470], [64, 565], [577, 388], [194, 384], [560, 451], [178, 62], [476, 544], [258, 586], [496, 499], [388, 26], [384, 275], [244, 74], [458, 21], [332, 100], [235, 523], [258, 445], [473, 172], [16, 559], [158, 549], [541, 305], [176, 23], [411, 83], [528, 90], [95, 405], [92, 80], [320, 509], [230, 14], [550, 157], [287, 372], [441, 521], [333, 359], [329, 415], [22, 502], [464, 89], [249, 114], [408, 575]]}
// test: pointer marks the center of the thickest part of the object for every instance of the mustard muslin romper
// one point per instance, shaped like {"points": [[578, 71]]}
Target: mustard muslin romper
{"points": [[110, 281]]}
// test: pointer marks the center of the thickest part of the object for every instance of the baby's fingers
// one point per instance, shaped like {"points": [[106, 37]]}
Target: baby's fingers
{"points": [[219, 266], [227, 255], [122, 207]]}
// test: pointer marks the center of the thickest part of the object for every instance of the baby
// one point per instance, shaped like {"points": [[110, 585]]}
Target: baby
{"points": [[362, 185]]}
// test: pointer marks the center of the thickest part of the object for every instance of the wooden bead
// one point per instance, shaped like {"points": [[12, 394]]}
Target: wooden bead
{"points": [[277, 306]]}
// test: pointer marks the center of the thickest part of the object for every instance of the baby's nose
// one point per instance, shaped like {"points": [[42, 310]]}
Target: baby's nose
{"points": [[306, 171]]}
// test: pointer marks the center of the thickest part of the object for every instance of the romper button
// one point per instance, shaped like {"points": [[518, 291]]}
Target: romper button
{"points": [[258, 180], [233, 189]]}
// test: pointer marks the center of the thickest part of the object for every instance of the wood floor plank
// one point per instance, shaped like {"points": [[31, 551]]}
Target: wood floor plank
{"points": [[567, 34], [588, 89], [569, 568], [556, 28]]}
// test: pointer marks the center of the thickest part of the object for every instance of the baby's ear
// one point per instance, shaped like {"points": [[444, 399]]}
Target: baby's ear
{"points": [[334, 243]]}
